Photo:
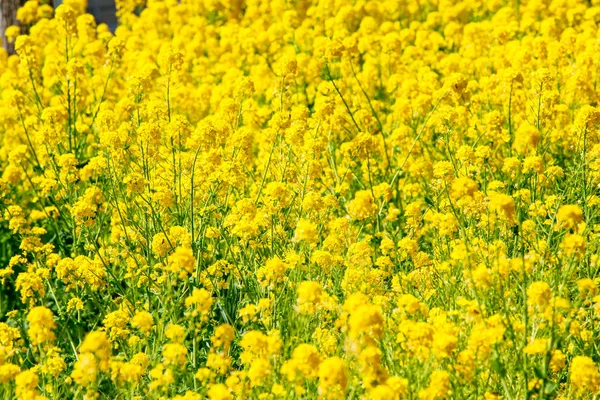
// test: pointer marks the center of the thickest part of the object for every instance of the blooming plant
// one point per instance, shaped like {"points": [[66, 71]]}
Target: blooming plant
{"points": [[301, 199]]}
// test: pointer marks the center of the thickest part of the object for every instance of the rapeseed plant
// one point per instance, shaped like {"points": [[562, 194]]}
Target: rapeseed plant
{"points": [[301, 199]]}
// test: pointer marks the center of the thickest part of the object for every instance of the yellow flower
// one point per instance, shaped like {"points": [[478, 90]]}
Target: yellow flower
{"points": [[305, 362], [306, 231], [333, 377], [26, 384], [569, 216], [255, 345], [75, 304], [584, 375], [503, 205], [182, 262], [259, 371], [135, 183], [144, 321], [538, 294], [537, 346], [362, 206], [573, 244], [463, 186], [85, 370], [366, 322], [201, 302], [174, 354], [161, 244], [219, 391], [8, 372], [439, 386], [41, 325], [309, 296], [272, 272], [223, 336], [97, 344], [175, 333], [527, 138], [12, 32], [587, 287]]}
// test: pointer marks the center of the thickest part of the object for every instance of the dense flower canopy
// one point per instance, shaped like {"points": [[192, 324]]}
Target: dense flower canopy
{"points": [[301, 199]]}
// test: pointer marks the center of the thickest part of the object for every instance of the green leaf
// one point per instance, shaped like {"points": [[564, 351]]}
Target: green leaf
{"points": [[550, 387], [498, 367]]}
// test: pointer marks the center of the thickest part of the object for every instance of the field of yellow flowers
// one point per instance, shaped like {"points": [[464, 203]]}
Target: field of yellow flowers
{"points": [[301, 199]]}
